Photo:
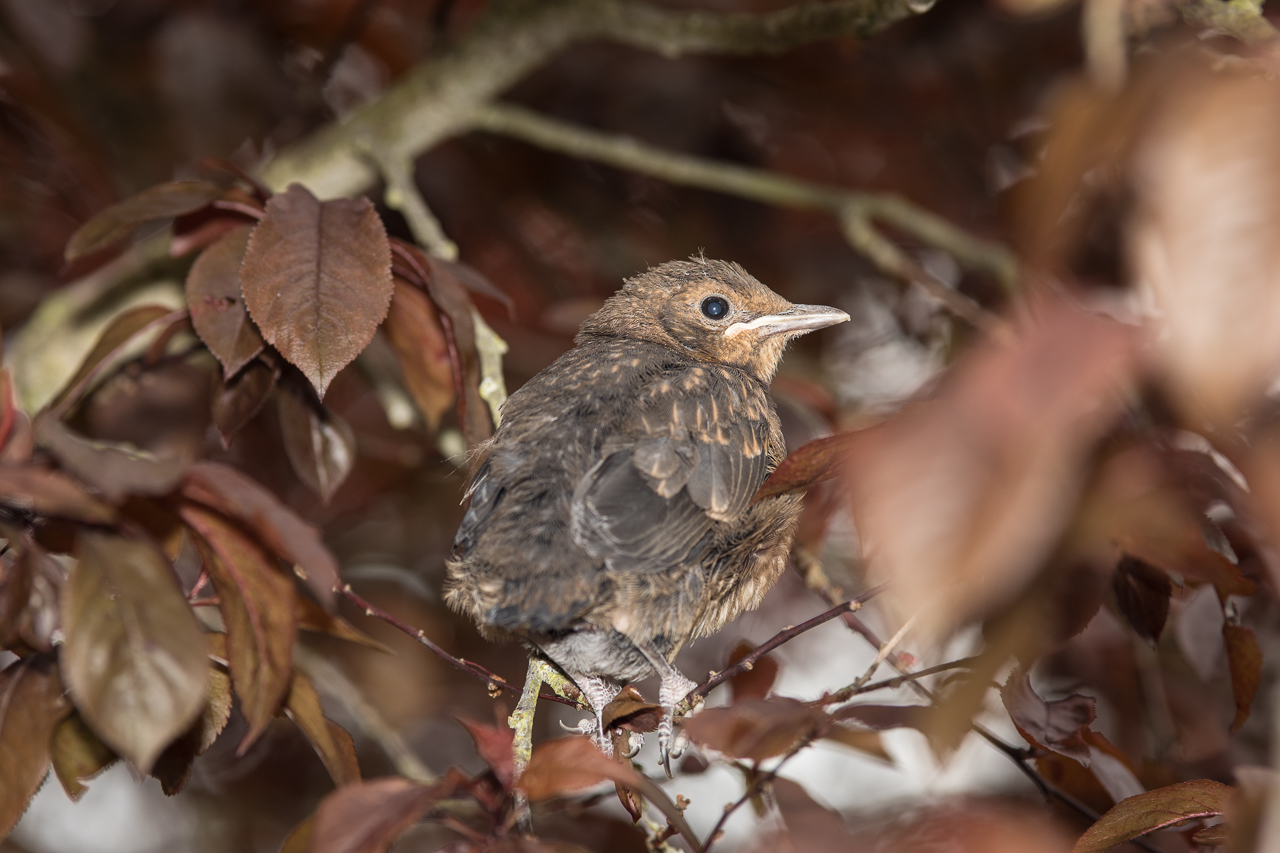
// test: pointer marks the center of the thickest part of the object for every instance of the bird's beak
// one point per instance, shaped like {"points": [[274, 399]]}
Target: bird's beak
{"points": [[796, 320]]}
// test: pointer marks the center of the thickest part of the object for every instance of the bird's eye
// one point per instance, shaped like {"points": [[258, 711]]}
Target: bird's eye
{"points": [[715, 307]]}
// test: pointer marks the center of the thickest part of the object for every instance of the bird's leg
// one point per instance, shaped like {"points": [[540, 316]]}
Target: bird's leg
{"points": [[672, 688], [599, 693]]}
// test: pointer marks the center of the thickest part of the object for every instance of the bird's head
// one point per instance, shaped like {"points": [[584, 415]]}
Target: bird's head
{"points": [[713, 311]]}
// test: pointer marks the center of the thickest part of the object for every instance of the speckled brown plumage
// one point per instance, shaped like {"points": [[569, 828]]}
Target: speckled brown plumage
{"points": [[610, 516]]}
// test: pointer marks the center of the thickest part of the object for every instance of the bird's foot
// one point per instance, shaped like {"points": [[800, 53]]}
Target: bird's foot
{"points": [[636, 742], [585, 726], [671, 692]]}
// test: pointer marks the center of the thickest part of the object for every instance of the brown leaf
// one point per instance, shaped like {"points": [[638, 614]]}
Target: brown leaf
{"points": [[31, 704], [810, 827], [755, 729], [959, 500], [1244, 658], [1056, 725], [118, 333], [368, 816], [1218, 835], [118, 221], [134, 657], [45, 492], [232, 493], [320, 445], [30, 588], [257, 605], [173, 767], [493, 744], [312, 617], [238, 401], [113, 468], [756, 682], [413, 328], [300, 837], [8, 408], [568, 765], [317, 280], [864, 741], [1206, 178], [1142, 594], [78, 755], [217, 306], [815, 462], [884, 717], [1154, 810], [629, 711], [331, 741]]}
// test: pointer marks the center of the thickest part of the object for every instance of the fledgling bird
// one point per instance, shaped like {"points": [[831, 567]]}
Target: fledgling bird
{"points": [[610, 517]]}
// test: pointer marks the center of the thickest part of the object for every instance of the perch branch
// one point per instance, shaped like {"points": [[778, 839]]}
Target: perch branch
{"points": [[438, 98], [856, 211]]}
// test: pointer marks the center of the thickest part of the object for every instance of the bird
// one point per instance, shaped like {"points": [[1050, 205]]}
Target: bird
{"points": [[610, 519]]}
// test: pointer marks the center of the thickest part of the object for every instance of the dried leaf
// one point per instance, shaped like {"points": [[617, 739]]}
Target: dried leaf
{"points": [[756, 682], [238, 401], [320, 445], [118, 333], [1218, 835], [30, 589], [78, 755], [44, 492], [118, 221], [312, 617], [493, 744], [1206, 178], [111, 467], [1154, 810], [1142, 594], [815, 462], [31, 704], [134, 657], [1058, 725], [232, 493], [257, 605], [755, 729], [413, 328], [368, 816], [630, 712], [958, 501], [1244, 658], [217, 306], [317, 280], [810, 827], [331, 741], [173, 767]]}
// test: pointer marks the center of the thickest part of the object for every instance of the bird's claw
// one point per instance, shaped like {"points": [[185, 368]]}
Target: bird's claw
{"points": [[636, 742], [585, 726]]}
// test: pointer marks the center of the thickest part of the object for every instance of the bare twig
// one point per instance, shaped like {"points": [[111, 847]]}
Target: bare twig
{"points": [[495, 682], [852, 690], [402, 194]]}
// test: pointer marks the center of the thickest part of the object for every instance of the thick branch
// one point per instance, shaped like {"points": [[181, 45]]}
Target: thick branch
{"points": [[437, 99]]}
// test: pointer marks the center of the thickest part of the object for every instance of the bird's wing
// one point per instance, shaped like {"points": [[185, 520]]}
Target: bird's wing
{"points": [[693, 452]]}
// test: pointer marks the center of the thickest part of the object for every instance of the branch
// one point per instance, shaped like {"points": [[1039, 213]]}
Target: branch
{"points": [[437, 98], [856, 211]]}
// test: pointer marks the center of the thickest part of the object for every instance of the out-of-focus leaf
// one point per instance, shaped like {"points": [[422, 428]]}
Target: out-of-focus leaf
{"points": [[113, 468], [449, 295], [1142, 594], [173, 767], [1113, 770], [368, 816], [30, 588], [815, 462], [810, 826], [312, 617], [199, 229], [257, 604], [8, 407], [320, 445], [1056, 725], [1154, 810], [31, 704], [959, 500], [629, 711], [300, 837], [413, 327], [1218, 835], [78, 755], [217, 306], [755, 729], [755, 682], [1244, 658], [1206, 179], [118, 221], [317, 280], [238, 401], [331, 741], [22, 441], [493, 744], [134, 657], [232, 493], [884, 717], [46, 492], [860, 739], [116, 335]]}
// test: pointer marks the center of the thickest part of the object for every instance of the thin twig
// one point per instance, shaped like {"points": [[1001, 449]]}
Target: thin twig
{"points": [[495, 682], [885, 651], [755, 788], [852, 690], [402, 194]]}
